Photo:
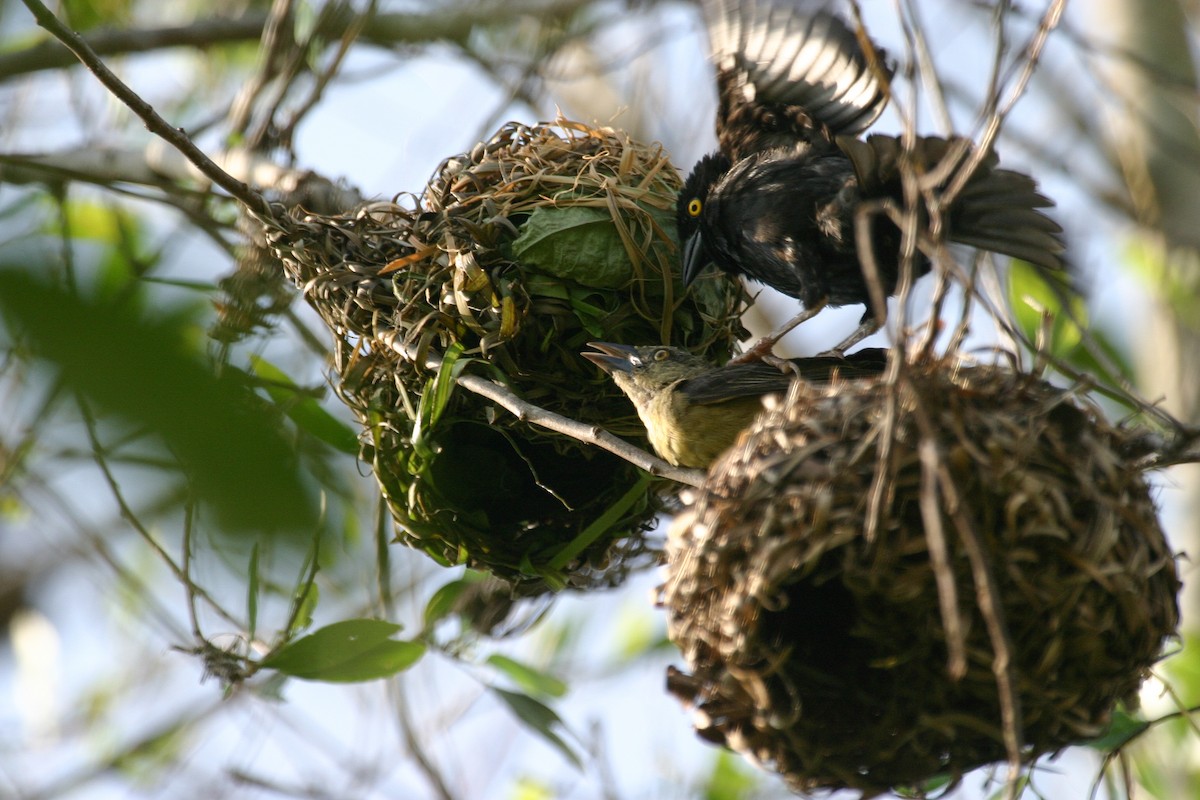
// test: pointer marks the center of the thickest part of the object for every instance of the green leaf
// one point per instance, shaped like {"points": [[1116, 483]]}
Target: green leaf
{"points": [[528, 788], [1183, 667], [437, 396], [528, 678], [445, 598], [156, 750], [544, 286], [577, 243], [638, 634], [601, 525], [442, 602], [252, 592], [306, 412], [307, 597], [594, 318], [1174, 276], [111, 241], [143, 370], [1035, 294], [345, 652], [87, 14], [539, 718], [729, 779], [1121, 730]]}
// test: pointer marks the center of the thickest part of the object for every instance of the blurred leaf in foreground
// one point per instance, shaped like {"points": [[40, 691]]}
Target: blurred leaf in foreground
{"points": [[143, 370]]}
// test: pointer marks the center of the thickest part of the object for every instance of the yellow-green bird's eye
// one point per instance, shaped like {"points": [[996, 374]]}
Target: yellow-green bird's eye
{"points": [[663, 354], [694, 207]]}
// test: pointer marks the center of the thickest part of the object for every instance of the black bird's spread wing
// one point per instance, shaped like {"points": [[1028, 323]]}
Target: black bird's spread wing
{"points": [[791, 71], [758, 378]]}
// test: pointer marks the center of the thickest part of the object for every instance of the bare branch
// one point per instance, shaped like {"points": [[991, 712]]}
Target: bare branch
{"points": [[1033, 52], [451, 24], [325, 76], [157, 165], [99, 453], [272, 52], [154, 123]]}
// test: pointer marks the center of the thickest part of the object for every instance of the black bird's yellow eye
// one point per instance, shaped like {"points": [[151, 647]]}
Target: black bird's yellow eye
{"points": [[663, 354], [694, 207]]}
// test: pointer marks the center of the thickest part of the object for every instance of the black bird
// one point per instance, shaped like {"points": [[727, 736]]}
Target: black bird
{"points": [[693, 411], [777, 202]]}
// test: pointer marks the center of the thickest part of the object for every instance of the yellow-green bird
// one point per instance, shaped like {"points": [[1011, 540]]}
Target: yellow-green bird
{"points": [[693, 410]]}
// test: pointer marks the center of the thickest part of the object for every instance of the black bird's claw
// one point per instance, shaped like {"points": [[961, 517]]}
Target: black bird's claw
{"points": [[786, 366], [761, 351], [865, 328], [762, 348]]}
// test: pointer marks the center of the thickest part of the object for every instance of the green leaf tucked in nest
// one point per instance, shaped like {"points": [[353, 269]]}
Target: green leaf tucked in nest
{"points": [[576, 242]]}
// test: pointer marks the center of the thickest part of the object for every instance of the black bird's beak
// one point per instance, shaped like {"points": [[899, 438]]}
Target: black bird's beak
{"points": [[612, 357], [695, 258]]}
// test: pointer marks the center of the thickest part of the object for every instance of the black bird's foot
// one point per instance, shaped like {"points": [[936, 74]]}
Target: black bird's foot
{"points": [[865, 329], [786, 366], [761, 351]]}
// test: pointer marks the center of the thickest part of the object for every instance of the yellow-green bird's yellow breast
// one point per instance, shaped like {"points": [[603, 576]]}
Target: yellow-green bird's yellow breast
{"points": [[691, 435]]}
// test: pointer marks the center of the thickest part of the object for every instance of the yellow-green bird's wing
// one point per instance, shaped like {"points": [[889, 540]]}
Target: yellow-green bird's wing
{"points": [[758, 378]]}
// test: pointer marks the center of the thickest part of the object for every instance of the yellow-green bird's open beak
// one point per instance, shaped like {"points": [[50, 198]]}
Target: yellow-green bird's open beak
{"points": [[612, 357]]}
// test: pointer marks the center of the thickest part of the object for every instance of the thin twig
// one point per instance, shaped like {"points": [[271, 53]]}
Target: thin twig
{"points": [[311, 567], [189, 516], [930, 79], [864, 243], [272, 48], [361, 22], [884, 467], [939, 559], [990, 605], [1033, 52], [131, 516], [446, 22], [154, 123], [383, 559], [413, 742], [97, 537]]}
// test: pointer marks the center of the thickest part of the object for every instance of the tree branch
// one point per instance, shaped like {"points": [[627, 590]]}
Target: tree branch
{"points": [[154, 123], [159, 166], [453, 24]]}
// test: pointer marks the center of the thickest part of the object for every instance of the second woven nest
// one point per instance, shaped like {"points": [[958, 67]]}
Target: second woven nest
{"points": [[819, 641], [514, 257]]}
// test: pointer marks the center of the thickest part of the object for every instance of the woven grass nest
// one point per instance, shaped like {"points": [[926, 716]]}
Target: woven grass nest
{"points": [[821, 650], [513, 257]]}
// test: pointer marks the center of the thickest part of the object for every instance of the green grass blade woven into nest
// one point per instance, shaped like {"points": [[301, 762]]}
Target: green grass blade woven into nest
{"points": [[514, 257]]}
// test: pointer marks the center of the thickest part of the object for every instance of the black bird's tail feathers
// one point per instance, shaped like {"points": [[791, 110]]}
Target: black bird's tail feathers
{"points": [[791, 67], [997, 210]]}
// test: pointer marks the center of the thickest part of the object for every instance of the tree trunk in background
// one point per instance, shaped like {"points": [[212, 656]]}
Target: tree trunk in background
{"points": [[1155, 139]]}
